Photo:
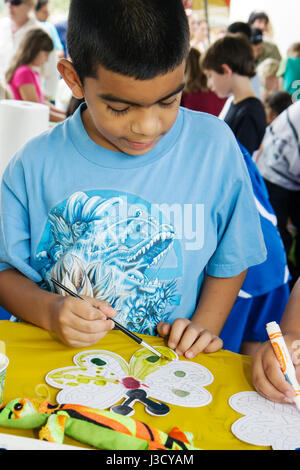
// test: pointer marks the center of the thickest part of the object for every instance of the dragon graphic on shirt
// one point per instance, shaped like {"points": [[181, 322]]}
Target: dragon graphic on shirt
{"points": [[96, 248]]}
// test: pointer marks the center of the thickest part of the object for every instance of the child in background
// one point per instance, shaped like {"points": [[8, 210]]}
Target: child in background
{"points": [[143, 206], [267, 376], [267, 72], [289, 70], [275, 104], [229, 67], [42, 14], [195, 94], [22, 78]]}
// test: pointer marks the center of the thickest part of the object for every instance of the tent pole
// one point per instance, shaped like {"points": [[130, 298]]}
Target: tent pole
{"points": [[207, 19]]}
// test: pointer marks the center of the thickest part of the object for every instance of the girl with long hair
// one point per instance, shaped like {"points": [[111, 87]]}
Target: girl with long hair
{"points": [[22, 76], [196, 94]]}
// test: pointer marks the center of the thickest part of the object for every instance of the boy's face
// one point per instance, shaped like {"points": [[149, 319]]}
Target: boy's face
{"points": [[128, 115], [219, 83]]}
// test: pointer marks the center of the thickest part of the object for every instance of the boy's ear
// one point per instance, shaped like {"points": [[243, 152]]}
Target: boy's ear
{"points": [[68, 73], [227, 70]]}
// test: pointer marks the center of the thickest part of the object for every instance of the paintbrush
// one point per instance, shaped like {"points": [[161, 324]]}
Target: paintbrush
{"points": [[117, 324]]}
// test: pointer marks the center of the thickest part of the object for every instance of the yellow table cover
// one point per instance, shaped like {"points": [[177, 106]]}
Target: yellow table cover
{"points": [[34, 352]]}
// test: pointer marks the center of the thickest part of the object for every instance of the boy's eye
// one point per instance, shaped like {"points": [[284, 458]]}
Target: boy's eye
{"points": [[167, 103], [118, 112]]}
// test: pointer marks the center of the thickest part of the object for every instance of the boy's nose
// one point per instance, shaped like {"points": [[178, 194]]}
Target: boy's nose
{"points": [[146, 123]]}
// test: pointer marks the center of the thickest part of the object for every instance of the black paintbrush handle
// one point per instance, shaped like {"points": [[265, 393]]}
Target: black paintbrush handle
{"points": [[118, 325]]}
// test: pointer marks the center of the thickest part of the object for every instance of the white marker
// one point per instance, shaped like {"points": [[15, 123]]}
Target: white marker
{"points": [[284, 358]]}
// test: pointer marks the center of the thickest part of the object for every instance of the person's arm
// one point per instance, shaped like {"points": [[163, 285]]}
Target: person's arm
{"points": [[76, 322], [28, 93], [200, 334], [267, 376]]}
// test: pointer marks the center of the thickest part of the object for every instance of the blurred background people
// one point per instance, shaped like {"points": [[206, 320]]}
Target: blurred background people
{"points": [[42, 14], [196, 94], [229, 67], [267, 73], [279, 164], [289, 71], [23, 79], [275, 103], [198, 32], [19, 21], [260, 20]]}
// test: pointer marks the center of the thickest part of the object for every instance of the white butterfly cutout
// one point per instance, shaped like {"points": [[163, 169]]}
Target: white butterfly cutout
{"points": [[266, 423], [100, 379]]}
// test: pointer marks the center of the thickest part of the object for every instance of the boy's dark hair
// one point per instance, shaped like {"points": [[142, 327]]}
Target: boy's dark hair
{"points": [[278, 101], [258, 15], [256, 36], [233, 50], [40, 4], [240, 27], [136, 38]]}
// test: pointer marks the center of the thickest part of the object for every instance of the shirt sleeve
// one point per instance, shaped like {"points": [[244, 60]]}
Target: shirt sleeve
{"points": [[282, 68], [23, 76], [14, 222], [56, 39], [240, 242]]}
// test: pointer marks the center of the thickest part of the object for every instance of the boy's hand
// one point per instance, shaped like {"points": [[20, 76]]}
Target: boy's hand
{"points": [[188, 338], [267, 376], [79, 323]]}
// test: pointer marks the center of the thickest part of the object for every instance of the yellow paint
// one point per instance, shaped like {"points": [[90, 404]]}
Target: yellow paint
{"points": [[2, 347], [140, 367]]}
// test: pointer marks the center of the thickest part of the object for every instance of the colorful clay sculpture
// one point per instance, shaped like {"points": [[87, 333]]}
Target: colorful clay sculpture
{"points": [[98, 428]]}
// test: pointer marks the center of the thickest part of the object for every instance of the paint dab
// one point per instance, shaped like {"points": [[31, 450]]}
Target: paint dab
{"points": [[152, 359], [98, 362], [180, 373], [180, 393]]}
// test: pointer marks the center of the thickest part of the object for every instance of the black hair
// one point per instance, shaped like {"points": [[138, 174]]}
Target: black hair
{"points": [[240, 27], [258, 15], [136, 38], [233, 50], [278, 101], [40, 4], [256, 36]]}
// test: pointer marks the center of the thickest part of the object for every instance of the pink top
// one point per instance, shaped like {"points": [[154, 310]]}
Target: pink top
{"points": [[24, 75]]}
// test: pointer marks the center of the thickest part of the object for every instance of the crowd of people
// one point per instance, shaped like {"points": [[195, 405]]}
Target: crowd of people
{"points": [[242, 78], [239, 77]]}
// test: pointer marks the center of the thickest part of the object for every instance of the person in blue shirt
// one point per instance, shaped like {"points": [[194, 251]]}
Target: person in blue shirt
{"points": [[42, 14], [143, 207]]}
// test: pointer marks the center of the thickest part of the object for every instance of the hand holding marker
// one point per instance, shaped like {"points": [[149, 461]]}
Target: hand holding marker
{"points": [[284, 358]]}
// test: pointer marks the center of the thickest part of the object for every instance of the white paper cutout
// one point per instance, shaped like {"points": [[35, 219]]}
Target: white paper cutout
{"points": [[100, 379], [266, 423]]}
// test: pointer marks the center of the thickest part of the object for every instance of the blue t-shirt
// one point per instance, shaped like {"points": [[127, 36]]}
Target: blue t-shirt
{"points": [[137, 231]]}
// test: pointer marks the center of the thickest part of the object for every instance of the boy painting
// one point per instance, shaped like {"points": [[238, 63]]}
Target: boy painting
{"points": [[143, 207], [229, 65]]}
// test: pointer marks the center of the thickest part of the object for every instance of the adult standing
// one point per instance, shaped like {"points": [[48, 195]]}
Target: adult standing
{"points": [[260, 20], [20, 20]]}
